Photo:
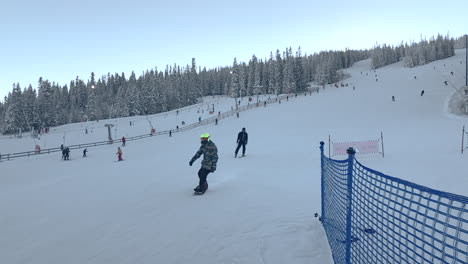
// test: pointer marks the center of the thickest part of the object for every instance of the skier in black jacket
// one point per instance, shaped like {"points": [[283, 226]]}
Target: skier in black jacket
{"points": [[242, 139]]}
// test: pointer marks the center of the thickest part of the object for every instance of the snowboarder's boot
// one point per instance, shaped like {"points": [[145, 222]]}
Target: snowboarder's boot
{"points": [[205, 187]]}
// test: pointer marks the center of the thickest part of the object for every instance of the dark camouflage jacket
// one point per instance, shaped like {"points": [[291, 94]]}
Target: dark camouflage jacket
{"points": [[210, 155]]}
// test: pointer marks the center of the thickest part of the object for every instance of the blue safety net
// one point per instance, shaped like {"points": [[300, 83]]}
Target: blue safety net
{"points": [[370, 217]]}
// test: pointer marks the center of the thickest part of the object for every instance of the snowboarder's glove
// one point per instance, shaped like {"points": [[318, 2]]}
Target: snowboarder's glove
{"points": [[190, 162], [213, 167]]}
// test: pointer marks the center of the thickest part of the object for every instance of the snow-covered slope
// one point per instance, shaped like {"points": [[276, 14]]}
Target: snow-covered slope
{"points": [[259, 209]]}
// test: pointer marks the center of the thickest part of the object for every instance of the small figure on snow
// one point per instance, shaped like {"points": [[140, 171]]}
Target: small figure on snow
{"points": [[242, 139], [422, 92], [393, 98], [445, 82], [84, 152], [66, 153], [123, 141], [210, 159], [119, 154]]}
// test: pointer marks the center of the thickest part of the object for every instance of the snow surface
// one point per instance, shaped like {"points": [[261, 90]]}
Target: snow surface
{"points": [[258, 209]]}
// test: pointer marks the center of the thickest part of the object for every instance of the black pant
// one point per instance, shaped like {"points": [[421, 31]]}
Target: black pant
{"points": [[202, 174], [243, 148]]}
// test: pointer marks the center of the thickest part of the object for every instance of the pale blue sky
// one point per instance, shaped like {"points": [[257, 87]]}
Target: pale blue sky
{"points": [[62, 39]]}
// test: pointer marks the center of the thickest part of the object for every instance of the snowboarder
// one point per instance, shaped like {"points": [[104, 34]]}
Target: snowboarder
{"points": [[242, 139], [422, 92], [210, 159], [84, 153], [119, 153], [123, 141]]}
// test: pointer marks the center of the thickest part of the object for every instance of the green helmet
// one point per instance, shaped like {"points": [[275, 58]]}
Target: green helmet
{"points": [[205, 135]]}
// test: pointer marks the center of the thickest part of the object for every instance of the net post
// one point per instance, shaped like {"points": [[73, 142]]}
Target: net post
{"points": [[381, 137], [463, 137], [322, 180], [351, 152]]}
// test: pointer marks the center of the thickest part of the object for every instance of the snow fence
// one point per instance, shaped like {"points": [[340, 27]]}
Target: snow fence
{"points": [[370, 217]]}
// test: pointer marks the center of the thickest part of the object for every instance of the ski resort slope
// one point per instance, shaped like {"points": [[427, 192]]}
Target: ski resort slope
{"points": [[258, 209]]}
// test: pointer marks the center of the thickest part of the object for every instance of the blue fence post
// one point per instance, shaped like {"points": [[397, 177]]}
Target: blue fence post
{"points": [[351, 153], [322, 179]]}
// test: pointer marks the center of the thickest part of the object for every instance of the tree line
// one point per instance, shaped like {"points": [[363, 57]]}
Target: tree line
{"points": [[415, 53], [154, 91]]}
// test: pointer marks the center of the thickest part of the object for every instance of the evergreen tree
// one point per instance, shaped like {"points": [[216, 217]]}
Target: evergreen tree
{"points": [[235, 80], [14, 116]]}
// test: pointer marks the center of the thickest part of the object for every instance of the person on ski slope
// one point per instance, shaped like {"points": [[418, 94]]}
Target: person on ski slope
{"points": [[242, 139], [210, 159], [119, 153]]}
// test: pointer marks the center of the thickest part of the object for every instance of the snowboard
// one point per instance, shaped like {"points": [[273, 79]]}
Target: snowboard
{"points": [[199, 193]]}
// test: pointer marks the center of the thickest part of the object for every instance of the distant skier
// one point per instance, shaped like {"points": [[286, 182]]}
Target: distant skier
{"points": [[393, 98], [210, 159], [119, 154], [445, 82], [123, 141], [84, 153], [422, 92], [63, 151], [66, 153], [242, 139]]}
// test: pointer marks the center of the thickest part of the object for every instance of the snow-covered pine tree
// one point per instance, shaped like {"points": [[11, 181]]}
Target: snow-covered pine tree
{"points": [[29, 106], [235, 79], [299, 78], [278, 71], [14, 116], [46, 103]]}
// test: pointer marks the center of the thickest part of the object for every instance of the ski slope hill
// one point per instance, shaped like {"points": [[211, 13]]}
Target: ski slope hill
{"points": [[258, 209]]}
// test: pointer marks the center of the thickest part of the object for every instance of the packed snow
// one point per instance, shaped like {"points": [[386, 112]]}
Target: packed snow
{"points": [[258, 209]]}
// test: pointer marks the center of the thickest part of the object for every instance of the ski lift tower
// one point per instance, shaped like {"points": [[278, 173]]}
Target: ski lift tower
{"points": [[109, 126]]}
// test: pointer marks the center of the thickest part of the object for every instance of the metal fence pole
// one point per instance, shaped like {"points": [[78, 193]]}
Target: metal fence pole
{"points": [[351, 153], [322, 165]]}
